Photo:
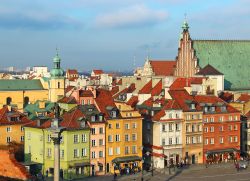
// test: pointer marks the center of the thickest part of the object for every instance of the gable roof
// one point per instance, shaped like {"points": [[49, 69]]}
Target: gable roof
{"points": [[209, 70], [230, 57], [163, 67], [20, 84]]}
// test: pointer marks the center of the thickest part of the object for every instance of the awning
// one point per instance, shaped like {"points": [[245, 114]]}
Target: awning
{"points": [[222, 151], [82, 164], [126, 159]]}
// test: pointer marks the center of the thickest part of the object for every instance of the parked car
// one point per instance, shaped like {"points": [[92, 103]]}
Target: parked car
{"points": [[243, 164]]}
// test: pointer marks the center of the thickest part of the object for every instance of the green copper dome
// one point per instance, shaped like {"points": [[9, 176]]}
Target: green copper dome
{"points": [[56, 71]]}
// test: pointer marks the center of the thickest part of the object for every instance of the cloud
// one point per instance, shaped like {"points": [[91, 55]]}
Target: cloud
{"points": [[36, 21], [134, 16]]}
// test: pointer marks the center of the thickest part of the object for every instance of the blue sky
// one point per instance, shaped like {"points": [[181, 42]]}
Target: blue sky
{"points": [[111, 34]]}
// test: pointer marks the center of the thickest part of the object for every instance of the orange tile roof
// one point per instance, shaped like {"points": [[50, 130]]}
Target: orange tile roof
{"points": [[68, 100], [244, 98], [69, 88], [98, 72], [181, 82], [157, 89], [133, 101], [86, 93], [10, 168], [227, 96], [163, 68], [146, 89], [114, 90], [72, 71], [129, 89], [70, 120]]}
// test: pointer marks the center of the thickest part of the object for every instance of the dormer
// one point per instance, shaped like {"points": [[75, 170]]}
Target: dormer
{"points": [[192, 106], [205, 109], [212, 109], [223, 108], [112, 111], [113, 114], [93, 118], [100, 117]]}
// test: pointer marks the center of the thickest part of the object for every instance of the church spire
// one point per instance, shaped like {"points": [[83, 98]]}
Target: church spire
{"points": [[185, 23]]}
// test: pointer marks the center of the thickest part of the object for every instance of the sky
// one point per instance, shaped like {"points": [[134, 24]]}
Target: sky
{"points": [[114, 35]]}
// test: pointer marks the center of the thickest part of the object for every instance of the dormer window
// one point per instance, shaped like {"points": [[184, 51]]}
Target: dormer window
{"points": [[100, 118], [93, 118], [90, 109], [192, 106], [205, 109], [14, 119], [212, 109], [152, 113], [223, 109], [113, 114]]}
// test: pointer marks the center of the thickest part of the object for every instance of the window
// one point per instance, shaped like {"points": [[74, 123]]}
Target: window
{"points": [[177, 140], [230, 118], [93, 118], [170, 141], [126, 150], [110, 138], [192, 106], [212, 109], [8, 129], [221, 128], [134, 149], [126, 126], [170, 116], [110, 151], [198, 139], [76, 153], [110, 126], [205, 120], [199, 127], [211, 129], [76, 138], [206, 141], [58, 85], [126, 137], [117, 150], [187, 128], [100, 118], [235, 127], [8, 139], [177, 116], [193, 140], [134, 125], [221, 119], [170, 127], [49, 138], [205, 129], [187, 140], [163, 142], [117, 125], [22, 129], [84, 152], [177, 127], [101, 131], [100, 154], [230, 139], [212, 119], [205, 109], [29, 136], [93, 143], [212, 141], [22, 138], [221, 140], [163, 127], [113, 114], [61, 153], [84, 138], [117, 138], [148, 126], [235, 138], [92, 154], [49, 152], [235, 118], [134, 137], [230, 127], [93, 131], [83, 102], [193, 128], [100, 142]]}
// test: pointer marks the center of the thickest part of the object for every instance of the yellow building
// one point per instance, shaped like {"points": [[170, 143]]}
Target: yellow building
{"points": [[242, 103], [123, 133], [18, 93]]}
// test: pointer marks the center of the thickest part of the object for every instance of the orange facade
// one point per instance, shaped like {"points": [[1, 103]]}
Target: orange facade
{"points": [[11, 133]]}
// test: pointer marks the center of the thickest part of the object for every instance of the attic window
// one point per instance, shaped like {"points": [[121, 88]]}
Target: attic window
{"points": [[93, 118], [113, 114], [192, 106], [100, 117], [14, 118], [90, 109], [205, 109], [223, 109], [212, 109]]}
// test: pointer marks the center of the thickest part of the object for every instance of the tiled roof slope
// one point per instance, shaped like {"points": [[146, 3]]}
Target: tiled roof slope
{"points": [[147, 88], [244, 98], [163, 68], [10, 168], [157, 89], [180, 83], [133, 101], [227, 96], [209, 70], [20, 84], [230, 57]]}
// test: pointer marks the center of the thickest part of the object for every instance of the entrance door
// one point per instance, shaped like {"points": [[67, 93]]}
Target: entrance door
{"points": [[93, 170], [193, 159], [177, 159], [107, 168]]}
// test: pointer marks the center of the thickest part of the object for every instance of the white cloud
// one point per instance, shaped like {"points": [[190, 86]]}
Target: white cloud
{"points": [[138, 15]]}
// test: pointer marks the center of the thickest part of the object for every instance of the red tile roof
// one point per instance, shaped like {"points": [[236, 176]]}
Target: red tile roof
{"points": [[69, 88], [227, 96], [72, 71], [68, 100], [209, 70], [10, 168], [129, 89], [180, 83], [103, 100], [98, 72], [114, 90], [70, 120], [157, 89], [244, 98], [147, 88], [86, 93], [133, 101], [163, 68]]}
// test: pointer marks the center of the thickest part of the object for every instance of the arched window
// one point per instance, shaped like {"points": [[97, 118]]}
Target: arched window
{"points": [[8, 100], [26, 101]]}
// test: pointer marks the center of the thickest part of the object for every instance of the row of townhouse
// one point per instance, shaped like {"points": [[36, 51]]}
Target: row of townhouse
{"points": [[100, 136], [189, 129]]}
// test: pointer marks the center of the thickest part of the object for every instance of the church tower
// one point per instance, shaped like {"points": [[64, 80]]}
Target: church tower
{"points": [[186, 61], [57, 81]]}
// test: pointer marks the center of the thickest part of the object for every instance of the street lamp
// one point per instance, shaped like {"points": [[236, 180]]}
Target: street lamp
{"points": [[56, 137]]}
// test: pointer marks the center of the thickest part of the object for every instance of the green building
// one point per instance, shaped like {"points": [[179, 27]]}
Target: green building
{"points": [[74, 147]]}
